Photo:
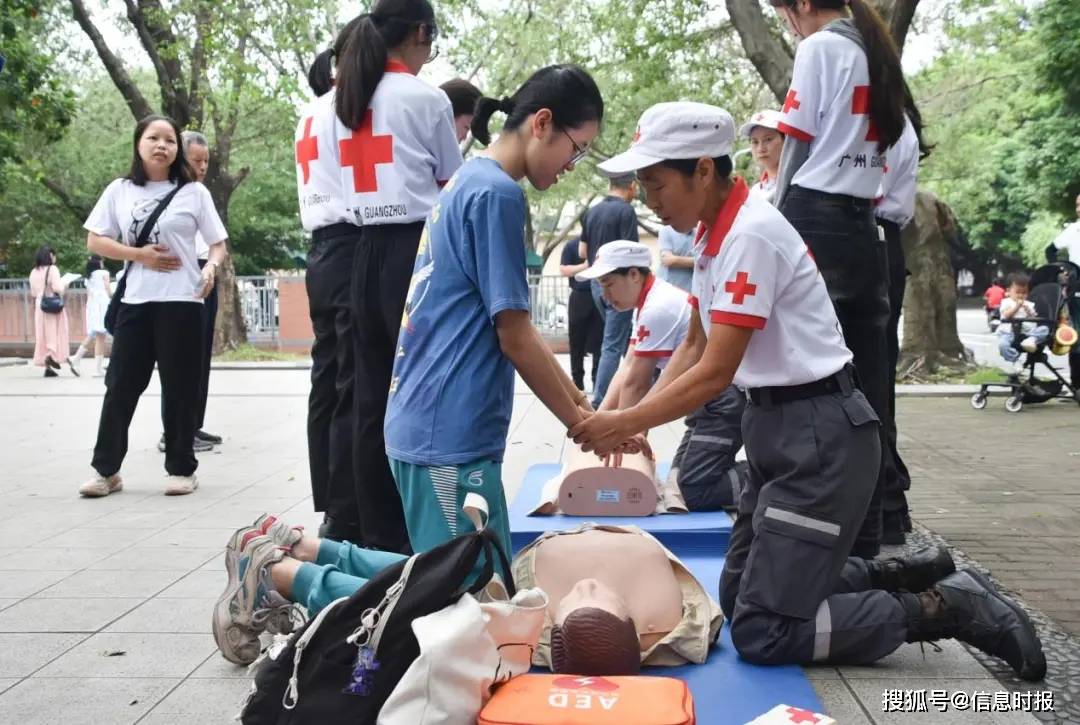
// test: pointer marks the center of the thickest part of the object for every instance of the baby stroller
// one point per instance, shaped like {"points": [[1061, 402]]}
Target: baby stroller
{"points": [[1055, 288]]}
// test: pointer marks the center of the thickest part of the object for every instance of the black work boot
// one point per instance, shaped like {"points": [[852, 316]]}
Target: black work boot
{"points": [[913, 573], [965, 606]]}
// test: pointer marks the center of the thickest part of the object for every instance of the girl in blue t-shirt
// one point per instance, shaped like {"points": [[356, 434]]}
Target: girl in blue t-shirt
{"points": [[466, 327]]}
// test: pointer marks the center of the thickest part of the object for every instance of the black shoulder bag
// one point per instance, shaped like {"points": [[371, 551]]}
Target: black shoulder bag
{"points": [[52, 304], [144, 236]]}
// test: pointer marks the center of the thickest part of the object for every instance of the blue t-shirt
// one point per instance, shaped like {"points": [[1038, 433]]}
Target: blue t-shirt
{"points": [[681, 245], [452, 389]]}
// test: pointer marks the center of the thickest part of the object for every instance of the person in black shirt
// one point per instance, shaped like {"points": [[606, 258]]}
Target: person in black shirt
{"points": [[613, 218], [586, 324]]}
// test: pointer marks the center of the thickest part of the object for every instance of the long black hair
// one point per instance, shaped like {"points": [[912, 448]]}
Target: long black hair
{"points": [[179, 170], [44, 257], [915, 116], [883, 62], [566, 90], [93, 264], [361, 50], [320, 75]]}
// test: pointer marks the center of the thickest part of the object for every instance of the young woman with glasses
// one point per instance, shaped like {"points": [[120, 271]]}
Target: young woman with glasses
{"points": [[372, 153]]}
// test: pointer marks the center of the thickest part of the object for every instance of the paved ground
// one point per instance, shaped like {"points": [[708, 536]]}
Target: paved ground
{"points": [[104, 605]]}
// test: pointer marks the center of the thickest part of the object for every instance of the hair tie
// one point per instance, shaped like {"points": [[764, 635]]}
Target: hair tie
{"points": [[506, 105]]}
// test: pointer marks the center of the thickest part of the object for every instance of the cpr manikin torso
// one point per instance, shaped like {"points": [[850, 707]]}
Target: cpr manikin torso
{"points": [[628, 568]]}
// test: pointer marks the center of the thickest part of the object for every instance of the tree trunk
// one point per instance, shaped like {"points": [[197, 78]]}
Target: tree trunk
{"points": [[930, 337], [230, 330]]}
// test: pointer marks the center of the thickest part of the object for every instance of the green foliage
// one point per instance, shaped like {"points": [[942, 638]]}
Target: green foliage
{"points": [[1041, 230]]}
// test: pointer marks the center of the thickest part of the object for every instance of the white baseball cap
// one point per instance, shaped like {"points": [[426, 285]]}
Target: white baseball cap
{"points": [[617, 255], [675, 130], [767, 119]]}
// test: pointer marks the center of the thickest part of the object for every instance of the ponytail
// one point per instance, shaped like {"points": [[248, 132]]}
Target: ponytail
{"points": [[887, 85], [320, 75], [363, 47], [566, 90], [915, 116]]}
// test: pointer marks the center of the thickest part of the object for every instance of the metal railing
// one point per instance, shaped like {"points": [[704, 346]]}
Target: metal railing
{"points": [[259, 306], [549, 300]]}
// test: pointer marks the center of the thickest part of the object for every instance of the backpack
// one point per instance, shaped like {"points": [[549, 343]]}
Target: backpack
{"points": [[344, 664]]}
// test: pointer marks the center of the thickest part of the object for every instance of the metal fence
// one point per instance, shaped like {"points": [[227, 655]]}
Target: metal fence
{"points": [[259, 306]]}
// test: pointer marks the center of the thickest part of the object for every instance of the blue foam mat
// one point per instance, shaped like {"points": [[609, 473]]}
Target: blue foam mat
{"points": [[685, 534]]}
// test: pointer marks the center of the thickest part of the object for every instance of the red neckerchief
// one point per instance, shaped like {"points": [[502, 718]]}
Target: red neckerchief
{"points": [[719, 229], [645, 292], [396, 66]]}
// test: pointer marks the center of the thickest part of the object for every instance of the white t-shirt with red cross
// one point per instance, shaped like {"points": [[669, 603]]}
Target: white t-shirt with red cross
{"points": [[390, 170], [828, 106], [896, 197], [765, 188], [661, 319], [753, 270]]}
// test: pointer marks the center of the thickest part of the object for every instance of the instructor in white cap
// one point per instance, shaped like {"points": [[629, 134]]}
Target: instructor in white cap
{"points": [[789, 589], [766, 142]]}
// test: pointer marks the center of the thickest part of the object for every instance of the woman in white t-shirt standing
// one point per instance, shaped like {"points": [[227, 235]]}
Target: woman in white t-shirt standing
{"points": [[160, 314], [844, 109], [371, 156], [98, 293]]}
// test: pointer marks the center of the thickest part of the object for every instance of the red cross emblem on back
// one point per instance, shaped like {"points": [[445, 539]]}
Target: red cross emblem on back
{"points": [[860, 106], [642, 333], [364, 151], [796, 715], [740, 288], [307, 150], [792, 101]]}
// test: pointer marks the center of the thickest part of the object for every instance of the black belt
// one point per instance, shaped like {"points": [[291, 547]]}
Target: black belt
{"points": [[333, 231], [841, 382], [836, 199]]}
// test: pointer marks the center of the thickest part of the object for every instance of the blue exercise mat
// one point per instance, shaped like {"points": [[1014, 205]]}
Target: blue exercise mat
{"points": [[685, 534]]}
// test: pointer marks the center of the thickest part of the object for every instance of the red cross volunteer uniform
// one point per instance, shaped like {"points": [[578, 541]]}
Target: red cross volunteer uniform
{"points": [[766, 184], [364, 194], [811, 437]]}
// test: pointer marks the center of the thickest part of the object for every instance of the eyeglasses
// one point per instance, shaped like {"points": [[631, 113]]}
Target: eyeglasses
{"points": [[579, 152]]}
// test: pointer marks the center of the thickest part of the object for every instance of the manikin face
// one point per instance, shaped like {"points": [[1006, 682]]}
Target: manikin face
{"points": [[589, 593], [765, 146], [199, 158], [158, 147], [677, 199], [552, 151], [622, 290]]}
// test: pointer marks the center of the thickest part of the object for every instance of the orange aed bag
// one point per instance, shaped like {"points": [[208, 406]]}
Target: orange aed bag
{"points": [[577, 700]]}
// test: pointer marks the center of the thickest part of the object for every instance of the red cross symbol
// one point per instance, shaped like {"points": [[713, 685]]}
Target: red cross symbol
{"points": [[740, 288], [363, 152], [637, 135], [799, 716], [792, 101], [642, 333], [759, 117], [860, 106], [307, 150]]}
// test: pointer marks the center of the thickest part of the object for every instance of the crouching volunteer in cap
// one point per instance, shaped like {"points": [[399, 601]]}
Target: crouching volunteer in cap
{"points": [[788, 587], [766, 142], [704, 468]]}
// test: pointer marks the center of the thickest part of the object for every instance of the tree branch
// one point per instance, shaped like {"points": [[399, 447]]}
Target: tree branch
{"points": [[771, 56], [132, 96], [196, 92], [898, 14], [80, 211], [151, 24]]}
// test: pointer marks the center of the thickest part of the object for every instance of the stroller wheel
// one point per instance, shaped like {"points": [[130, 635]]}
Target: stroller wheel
{"points": [[978, 401], [1014, 403]]}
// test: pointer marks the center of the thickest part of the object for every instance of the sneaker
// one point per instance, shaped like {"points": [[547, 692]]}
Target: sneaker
{"points": [[242, 612], [50, 363], [161, 443], [1029, 344], [197, 446], [99, 486], [180, 485], [201, 435], [73, 365], [50, 373]]}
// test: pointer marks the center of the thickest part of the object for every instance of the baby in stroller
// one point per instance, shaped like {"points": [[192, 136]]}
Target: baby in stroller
{"points": [[1037, 318]]}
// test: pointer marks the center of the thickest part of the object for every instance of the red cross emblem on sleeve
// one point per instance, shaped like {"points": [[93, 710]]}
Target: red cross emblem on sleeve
{"points": [[642, 333], [307, 150], [796, 715], [860, 106], [792, 101], [740, 288], [364, 151]]}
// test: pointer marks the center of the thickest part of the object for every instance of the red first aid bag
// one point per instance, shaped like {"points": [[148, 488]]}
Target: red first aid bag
{"points": [[578, 700]]}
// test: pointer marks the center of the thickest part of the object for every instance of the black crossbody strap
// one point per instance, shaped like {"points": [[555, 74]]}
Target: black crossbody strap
{"points": [[144, 234]]}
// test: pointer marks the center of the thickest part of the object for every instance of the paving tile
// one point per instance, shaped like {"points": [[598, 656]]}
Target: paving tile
{"points": [[871, 693], [216, 667], [21, 654], [105, 584], [201, 701], [839, 702], [8, 682], [199, 583], [63, 615], [145, 655], [157, 558], [821, 672], [91, 538], [20, 584], [167, 615], [59, 559], [81, 701], [185, 535], [910, 661]]}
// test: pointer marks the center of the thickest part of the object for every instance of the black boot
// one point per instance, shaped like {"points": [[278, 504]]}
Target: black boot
{"points": [[914, 573], [965, 606], [341, 531]]}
